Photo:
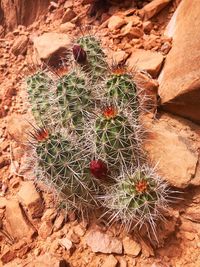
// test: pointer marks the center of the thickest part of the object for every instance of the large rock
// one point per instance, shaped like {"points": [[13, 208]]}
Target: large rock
{"points": [[173, 144], [180, 79], [154, 7], [51, 46], [146, 60], [100, 242], [16, 222]]}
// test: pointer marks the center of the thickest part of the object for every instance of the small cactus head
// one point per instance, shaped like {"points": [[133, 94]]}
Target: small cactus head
{"points": [[79, 54], [99, 169]]}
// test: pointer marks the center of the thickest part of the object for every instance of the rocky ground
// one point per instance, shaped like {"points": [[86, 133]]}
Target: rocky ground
{"points": [[149, 36]]}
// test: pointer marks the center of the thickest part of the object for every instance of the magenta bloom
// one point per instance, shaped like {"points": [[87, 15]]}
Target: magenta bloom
{"points": [[79, 54], [98, 169]]}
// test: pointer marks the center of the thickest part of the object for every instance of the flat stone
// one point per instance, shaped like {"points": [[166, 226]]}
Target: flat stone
{"points": [[146, 60], [115, 22], [17, 224], [51, 44], [180, 78], [31, 199], [171, 147], [154, 7], [100, 242], [110, 261], [131, 247]]}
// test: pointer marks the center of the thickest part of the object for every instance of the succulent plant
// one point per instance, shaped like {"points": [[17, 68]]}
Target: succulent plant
{"points": [[66, 168], [121, 88], [114, 135], [96, 64], [75, 99], [137, 198], [87, 152], [39, 93]]}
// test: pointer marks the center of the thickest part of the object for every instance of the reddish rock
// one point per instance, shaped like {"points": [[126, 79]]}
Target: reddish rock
{"points": [[49, 215], [17, 12], [119, 56], [110, 261], [68, 15], [180, 79], [6, 97], [115, 22], [147, 26], [8, 256], [31, 199], [66, 243], [66, 27], [45, 229], [131, 247], [60, 42], [17, 224], [146, 60], [59, 221], [173, 150], [154, 7], [17, 128], [19, 46], [100, 242]]}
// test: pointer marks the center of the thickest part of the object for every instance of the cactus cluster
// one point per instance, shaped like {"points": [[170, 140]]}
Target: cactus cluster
{"points": [[92, 158]]}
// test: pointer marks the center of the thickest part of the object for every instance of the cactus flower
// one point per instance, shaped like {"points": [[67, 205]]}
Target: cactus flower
{"points": [[79, 54], [98, 169]]}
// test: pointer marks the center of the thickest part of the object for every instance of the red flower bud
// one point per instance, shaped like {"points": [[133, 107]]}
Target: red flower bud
{"points": [[99, 169], [79, 54]]}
